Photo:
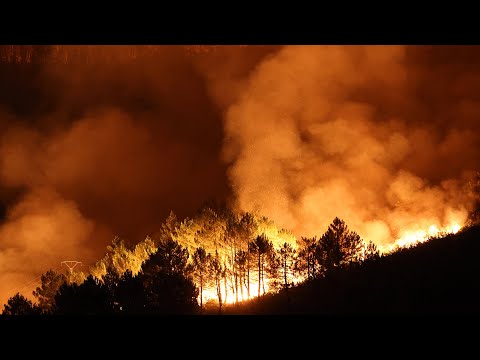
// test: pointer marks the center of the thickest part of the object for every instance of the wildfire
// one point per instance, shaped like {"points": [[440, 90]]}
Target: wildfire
{"points": [[210, 294], [411, 237], [406, 238]]}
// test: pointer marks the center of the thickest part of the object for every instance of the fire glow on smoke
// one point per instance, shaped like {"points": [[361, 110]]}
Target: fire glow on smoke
{"points": [[411, 237], [307, 133]]}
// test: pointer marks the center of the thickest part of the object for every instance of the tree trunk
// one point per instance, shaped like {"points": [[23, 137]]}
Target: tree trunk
{"points": [[313, 268], [234, 269], [263, 277], [225, 285], [241, 283], [201, 291], [219, 294], [308, 265], [248, 279], [285, 271], [259, 274], [236, 286], [286, 285]]}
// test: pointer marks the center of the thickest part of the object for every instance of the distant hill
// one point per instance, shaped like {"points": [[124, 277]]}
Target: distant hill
{"points": [[440, 276]]}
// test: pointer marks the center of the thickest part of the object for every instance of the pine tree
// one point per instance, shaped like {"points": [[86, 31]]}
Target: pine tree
{"points": [[339, 246]]}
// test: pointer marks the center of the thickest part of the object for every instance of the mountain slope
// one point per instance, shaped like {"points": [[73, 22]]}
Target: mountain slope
{"points": [[441, 276]]}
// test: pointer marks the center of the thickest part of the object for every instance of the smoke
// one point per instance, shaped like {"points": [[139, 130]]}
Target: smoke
{"points": [[98, 141], [90, 150], [325, 131], [41, 230]]}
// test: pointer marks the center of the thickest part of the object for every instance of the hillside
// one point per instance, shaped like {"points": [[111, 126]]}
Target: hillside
{"points": [[441, 276]]}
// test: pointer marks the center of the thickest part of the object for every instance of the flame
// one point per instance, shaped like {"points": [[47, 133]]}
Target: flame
{"points": [[407, 238], [411, 237], [455, 228], [210, 293], [415, 233]]}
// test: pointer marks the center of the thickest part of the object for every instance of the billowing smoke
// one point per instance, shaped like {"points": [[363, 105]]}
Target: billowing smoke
{"points": [[325, 131], [93, 149], [99, 141], [104, 141]]}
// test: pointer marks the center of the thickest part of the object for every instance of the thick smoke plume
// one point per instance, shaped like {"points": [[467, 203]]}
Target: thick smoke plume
{"points": [[101, 141], [325, 131]]}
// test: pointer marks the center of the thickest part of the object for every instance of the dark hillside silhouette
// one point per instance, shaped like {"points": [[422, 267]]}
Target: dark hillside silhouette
{"points": [[440, 276]]}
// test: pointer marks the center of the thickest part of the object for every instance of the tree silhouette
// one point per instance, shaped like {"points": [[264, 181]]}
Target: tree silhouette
{"points": [[250, 264], [287, 262], [370, 252], [272, 267], [225, 273], [247, 228], [338, 246], [233, 243], [130, 294], [200, 266], [261, 247], [110, 282], [241, 265], [166, 278], [20, 305], [170, 258], [51, 282], [171, 294], [306, 259], [90, 298], [216, 272]]}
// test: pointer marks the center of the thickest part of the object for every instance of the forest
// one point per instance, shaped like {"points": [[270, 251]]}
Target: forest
{"points": [[222, 262], [438, 277], [217, 258]]}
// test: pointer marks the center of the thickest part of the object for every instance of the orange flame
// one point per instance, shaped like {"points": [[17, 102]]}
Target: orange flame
{"points": [[412, 237]]}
